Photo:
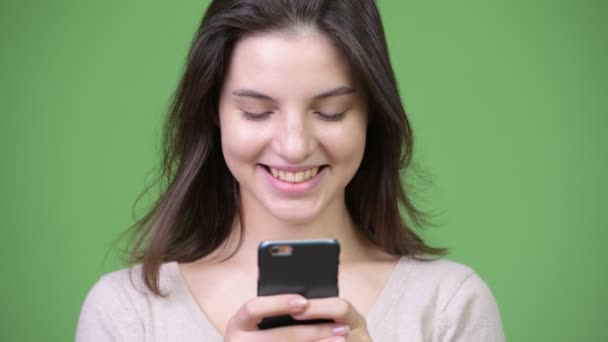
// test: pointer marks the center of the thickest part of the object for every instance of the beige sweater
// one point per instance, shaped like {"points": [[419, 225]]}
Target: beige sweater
{"points": [[423, 301]]}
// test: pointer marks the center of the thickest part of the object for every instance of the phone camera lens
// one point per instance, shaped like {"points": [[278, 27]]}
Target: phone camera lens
{"points": [[281, 250]]}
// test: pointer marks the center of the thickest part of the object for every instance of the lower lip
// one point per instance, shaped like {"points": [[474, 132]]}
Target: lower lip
{"points": [[293, 188]]}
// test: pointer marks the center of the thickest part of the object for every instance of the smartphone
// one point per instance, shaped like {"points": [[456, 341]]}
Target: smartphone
{"points": [[305, 267]]}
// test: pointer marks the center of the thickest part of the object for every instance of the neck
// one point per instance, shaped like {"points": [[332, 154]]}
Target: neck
{"points": [[257, 225]]}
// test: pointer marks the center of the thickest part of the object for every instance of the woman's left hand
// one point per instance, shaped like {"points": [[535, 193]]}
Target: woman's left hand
{"points": [[341, 311]]}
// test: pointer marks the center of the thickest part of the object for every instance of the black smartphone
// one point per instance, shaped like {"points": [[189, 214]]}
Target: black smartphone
{"points": [[305, 267]]}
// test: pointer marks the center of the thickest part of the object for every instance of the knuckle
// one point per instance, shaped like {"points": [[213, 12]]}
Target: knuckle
{"points": [[344, 308], [249, 309]]}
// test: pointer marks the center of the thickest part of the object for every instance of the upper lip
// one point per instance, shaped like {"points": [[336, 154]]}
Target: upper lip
{"points": [[291, 168]]}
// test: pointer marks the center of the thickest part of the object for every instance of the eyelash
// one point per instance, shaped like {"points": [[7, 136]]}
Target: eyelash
{"points": [[255, 116], [323, 116], [331, 117]]}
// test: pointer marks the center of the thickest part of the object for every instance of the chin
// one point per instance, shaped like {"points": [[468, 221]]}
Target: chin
{"points": [[296, 215]]}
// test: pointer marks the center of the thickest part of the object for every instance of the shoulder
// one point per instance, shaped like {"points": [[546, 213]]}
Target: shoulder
{"points": [[128, 283], [463, 305], [438, 271], [450, 281], [125, 287], [117, 304], [440, 279]]}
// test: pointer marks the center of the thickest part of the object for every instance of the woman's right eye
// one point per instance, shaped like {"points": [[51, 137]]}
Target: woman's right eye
{"points": [[256, 116]]}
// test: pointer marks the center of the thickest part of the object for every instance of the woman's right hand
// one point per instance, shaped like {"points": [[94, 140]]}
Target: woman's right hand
{"points": [[243, 326]]}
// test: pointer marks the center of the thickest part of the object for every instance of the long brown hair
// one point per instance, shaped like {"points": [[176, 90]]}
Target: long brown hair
{"points": [[199, 203]]}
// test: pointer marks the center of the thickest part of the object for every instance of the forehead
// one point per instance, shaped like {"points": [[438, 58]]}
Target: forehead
{"points": [[283, 65]]}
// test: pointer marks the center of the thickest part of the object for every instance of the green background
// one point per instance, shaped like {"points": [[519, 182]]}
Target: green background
{"points": [[508, 101]]}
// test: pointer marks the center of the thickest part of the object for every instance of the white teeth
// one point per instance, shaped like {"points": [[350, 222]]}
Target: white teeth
{"points": [[299, 176], [294, 177]]}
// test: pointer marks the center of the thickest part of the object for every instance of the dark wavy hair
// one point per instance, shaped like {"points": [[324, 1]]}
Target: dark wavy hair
{"points": [[199, 203]]}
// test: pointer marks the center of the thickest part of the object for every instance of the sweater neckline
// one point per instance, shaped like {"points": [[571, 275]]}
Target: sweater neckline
{"points": [[209, 330], [375, 315], [391, 290]]}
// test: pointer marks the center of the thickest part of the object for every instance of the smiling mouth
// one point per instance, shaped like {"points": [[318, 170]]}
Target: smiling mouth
{"points": [[294, 177]]}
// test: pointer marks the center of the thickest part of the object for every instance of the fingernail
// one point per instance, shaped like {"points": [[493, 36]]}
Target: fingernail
{"points": [[298, 302], [340, 330]]}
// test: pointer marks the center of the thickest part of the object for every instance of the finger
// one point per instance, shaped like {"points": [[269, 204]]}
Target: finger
{"points": [[252, 312], [336, 309], [305, 333], [334, 339]]}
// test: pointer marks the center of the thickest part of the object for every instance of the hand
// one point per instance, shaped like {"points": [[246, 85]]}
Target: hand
{"points": [[243, 325], [342, 312]]}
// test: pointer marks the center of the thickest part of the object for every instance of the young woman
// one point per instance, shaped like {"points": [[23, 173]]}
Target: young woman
{"points": [[287, 125]]}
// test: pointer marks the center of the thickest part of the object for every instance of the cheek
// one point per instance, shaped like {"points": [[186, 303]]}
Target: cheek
{"points": [[240, 143], [347, 145]]}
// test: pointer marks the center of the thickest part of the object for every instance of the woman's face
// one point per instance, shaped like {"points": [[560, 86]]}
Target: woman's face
{"points": [[293, 122]]}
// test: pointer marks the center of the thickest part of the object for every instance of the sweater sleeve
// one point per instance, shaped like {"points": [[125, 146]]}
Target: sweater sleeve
{"points": [[471, 314], [108, 314]]}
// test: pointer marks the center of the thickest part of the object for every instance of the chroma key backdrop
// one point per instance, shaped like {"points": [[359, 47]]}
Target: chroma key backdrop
{"points": [[508, 100]]}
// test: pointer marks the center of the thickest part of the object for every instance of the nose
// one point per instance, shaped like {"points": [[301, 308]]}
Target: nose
{"points": [[294, 137]]}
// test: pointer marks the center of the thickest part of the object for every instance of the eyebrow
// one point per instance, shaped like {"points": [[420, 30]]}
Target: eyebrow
{"points": [[339, 91]]}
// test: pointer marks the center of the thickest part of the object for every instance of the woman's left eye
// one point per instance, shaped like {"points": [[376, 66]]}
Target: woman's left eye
{"points": [[331, 117], [264, 115], [256, 116]]}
